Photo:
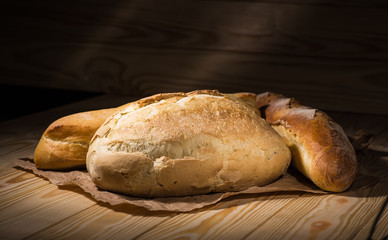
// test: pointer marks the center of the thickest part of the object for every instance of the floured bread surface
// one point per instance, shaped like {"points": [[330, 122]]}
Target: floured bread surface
{"points": [[186, 144]]}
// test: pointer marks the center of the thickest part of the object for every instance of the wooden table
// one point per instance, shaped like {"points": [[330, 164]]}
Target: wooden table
{"points": [[33, 208]]}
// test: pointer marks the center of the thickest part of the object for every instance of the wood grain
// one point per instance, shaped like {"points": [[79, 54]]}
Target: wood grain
{"points": [[103, 222], [331, 217], [17, 187], [26, 210], [381, 229], [230, 219], [332, 55]]}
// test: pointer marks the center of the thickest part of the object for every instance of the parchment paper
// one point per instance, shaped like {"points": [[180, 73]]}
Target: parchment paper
{"points": [[291, 181]]}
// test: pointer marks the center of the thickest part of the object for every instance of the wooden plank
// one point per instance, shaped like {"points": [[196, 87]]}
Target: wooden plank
{"points": [[44, 206], [322, 218], [326, 84], [18, 148], [103, 222], [335, 216], [369, 230], [9, 173], [18, 186], [381, 230], [331, 55], [230, 219], [377, 226]]}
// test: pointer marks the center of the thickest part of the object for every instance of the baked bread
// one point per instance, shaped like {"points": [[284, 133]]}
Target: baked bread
{"points": [[64, 144], [187, 144], [320, 148]]}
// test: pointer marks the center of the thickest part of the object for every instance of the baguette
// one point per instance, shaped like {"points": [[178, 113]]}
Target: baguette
{"points": [[187, 144], [320, 148], [64, 144]]}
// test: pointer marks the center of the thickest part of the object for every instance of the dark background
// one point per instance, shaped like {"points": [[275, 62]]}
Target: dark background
{"points": [[332, 55]]}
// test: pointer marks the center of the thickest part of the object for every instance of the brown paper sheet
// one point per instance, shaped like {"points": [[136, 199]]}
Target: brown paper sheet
{"points": [[291, 181]]}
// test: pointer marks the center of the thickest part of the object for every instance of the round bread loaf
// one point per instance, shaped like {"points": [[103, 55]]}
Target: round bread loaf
{"points": [[320, 148], [187, 144]]}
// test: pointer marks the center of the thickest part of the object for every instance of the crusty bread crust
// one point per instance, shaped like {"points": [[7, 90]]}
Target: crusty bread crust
{"points": [[319, 146], [64, 144], [187, 144]]}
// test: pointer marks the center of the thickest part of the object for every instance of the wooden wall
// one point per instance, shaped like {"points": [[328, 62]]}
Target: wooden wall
{"points": [[331, 54]]}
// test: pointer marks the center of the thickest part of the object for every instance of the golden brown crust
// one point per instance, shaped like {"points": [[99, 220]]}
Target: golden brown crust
{"points": [[187, 144], [247, 98], [65, 142], [320, 147]]}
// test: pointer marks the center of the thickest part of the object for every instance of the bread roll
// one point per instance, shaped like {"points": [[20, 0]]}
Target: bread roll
{"points": [[320, 148], [187, 144]]}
